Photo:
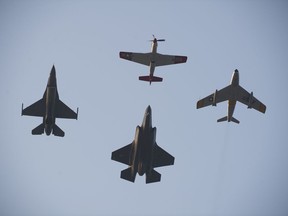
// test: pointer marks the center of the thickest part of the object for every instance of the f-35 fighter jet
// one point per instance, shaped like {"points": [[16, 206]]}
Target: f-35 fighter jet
{"points": [[143, 154], [50, 107], [233, 93]]}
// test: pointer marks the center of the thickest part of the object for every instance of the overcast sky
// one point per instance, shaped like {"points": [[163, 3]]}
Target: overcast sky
{"points": [[220, 168]]}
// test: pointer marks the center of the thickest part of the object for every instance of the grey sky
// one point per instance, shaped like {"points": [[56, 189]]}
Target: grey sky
{"points": [[220, 168]]}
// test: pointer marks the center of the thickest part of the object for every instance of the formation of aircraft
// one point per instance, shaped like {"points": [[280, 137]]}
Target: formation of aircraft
{"points": [[50, 107], [233, 93], [143, 154], [153, 59]]}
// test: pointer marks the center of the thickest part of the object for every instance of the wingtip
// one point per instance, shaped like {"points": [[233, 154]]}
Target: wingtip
{"points": [[180, 59], [200, 104], [125, 55], [263, 108], [77, 113], [185, 58]]}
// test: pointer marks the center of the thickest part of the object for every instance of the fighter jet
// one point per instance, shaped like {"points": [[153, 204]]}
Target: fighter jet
{"points": [[143, 154], [233, 93], [152, 59], [50, 107]]}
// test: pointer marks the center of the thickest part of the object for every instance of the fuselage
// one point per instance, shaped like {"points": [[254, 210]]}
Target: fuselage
{"points": [[144, 143], [153, 56], [232, 102], [51, 96]]}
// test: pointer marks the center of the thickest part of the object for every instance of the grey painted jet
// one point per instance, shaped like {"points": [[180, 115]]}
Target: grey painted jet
{"points": [[152, 59], [143, 154], [50, 107], [233, 93]]}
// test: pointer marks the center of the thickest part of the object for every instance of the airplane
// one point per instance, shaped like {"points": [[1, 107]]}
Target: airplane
{"points": [[49, 107], [152, 59], [143, 154], [233, 93]]}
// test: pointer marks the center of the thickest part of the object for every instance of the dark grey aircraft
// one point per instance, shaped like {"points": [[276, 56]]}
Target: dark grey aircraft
{"points": [[143, 154], [50, 107]]}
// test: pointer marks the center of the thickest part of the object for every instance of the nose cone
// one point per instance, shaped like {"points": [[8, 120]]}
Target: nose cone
{"points": [[52, 78], [147, 120], [236, 74], [148, 110], [235, 78], [53, 71]]}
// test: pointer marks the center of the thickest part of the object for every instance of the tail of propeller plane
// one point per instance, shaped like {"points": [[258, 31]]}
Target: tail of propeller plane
{"points": [[150, 79]]}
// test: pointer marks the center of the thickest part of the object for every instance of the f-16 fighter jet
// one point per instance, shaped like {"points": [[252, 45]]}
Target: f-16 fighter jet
{"points": [[233, 93], [50, 107], [143, 154], [153, 59]]}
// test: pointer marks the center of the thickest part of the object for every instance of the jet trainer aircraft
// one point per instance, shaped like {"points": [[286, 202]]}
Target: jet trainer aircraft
{"points": [[50, 107], [233, 93], [152, 59], [143, 154]]}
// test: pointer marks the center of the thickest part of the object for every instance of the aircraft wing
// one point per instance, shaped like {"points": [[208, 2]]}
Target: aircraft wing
{"points": [[161, 59], [63, 111], [244, 97], [221, 95], [122, 155], [36, 109], [141, 58], [162, 158]]}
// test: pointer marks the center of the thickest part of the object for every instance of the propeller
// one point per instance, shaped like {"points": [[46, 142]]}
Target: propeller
{"points": [[155, 39]]}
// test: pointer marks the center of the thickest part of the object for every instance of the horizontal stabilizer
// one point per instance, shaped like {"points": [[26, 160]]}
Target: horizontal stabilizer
{"points": [[150, 79], [57, 131], [153, 177], [128, 174], [222, 119], [235, 120], [226, 118], [38, 130]]}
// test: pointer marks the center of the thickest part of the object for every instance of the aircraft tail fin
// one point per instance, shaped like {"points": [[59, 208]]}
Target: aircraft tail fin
{"points": [[226, 118], [150, 79], [38, 130], [57, 131], [235, 120], [128, 174], [154, 176], [222, 119]]}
